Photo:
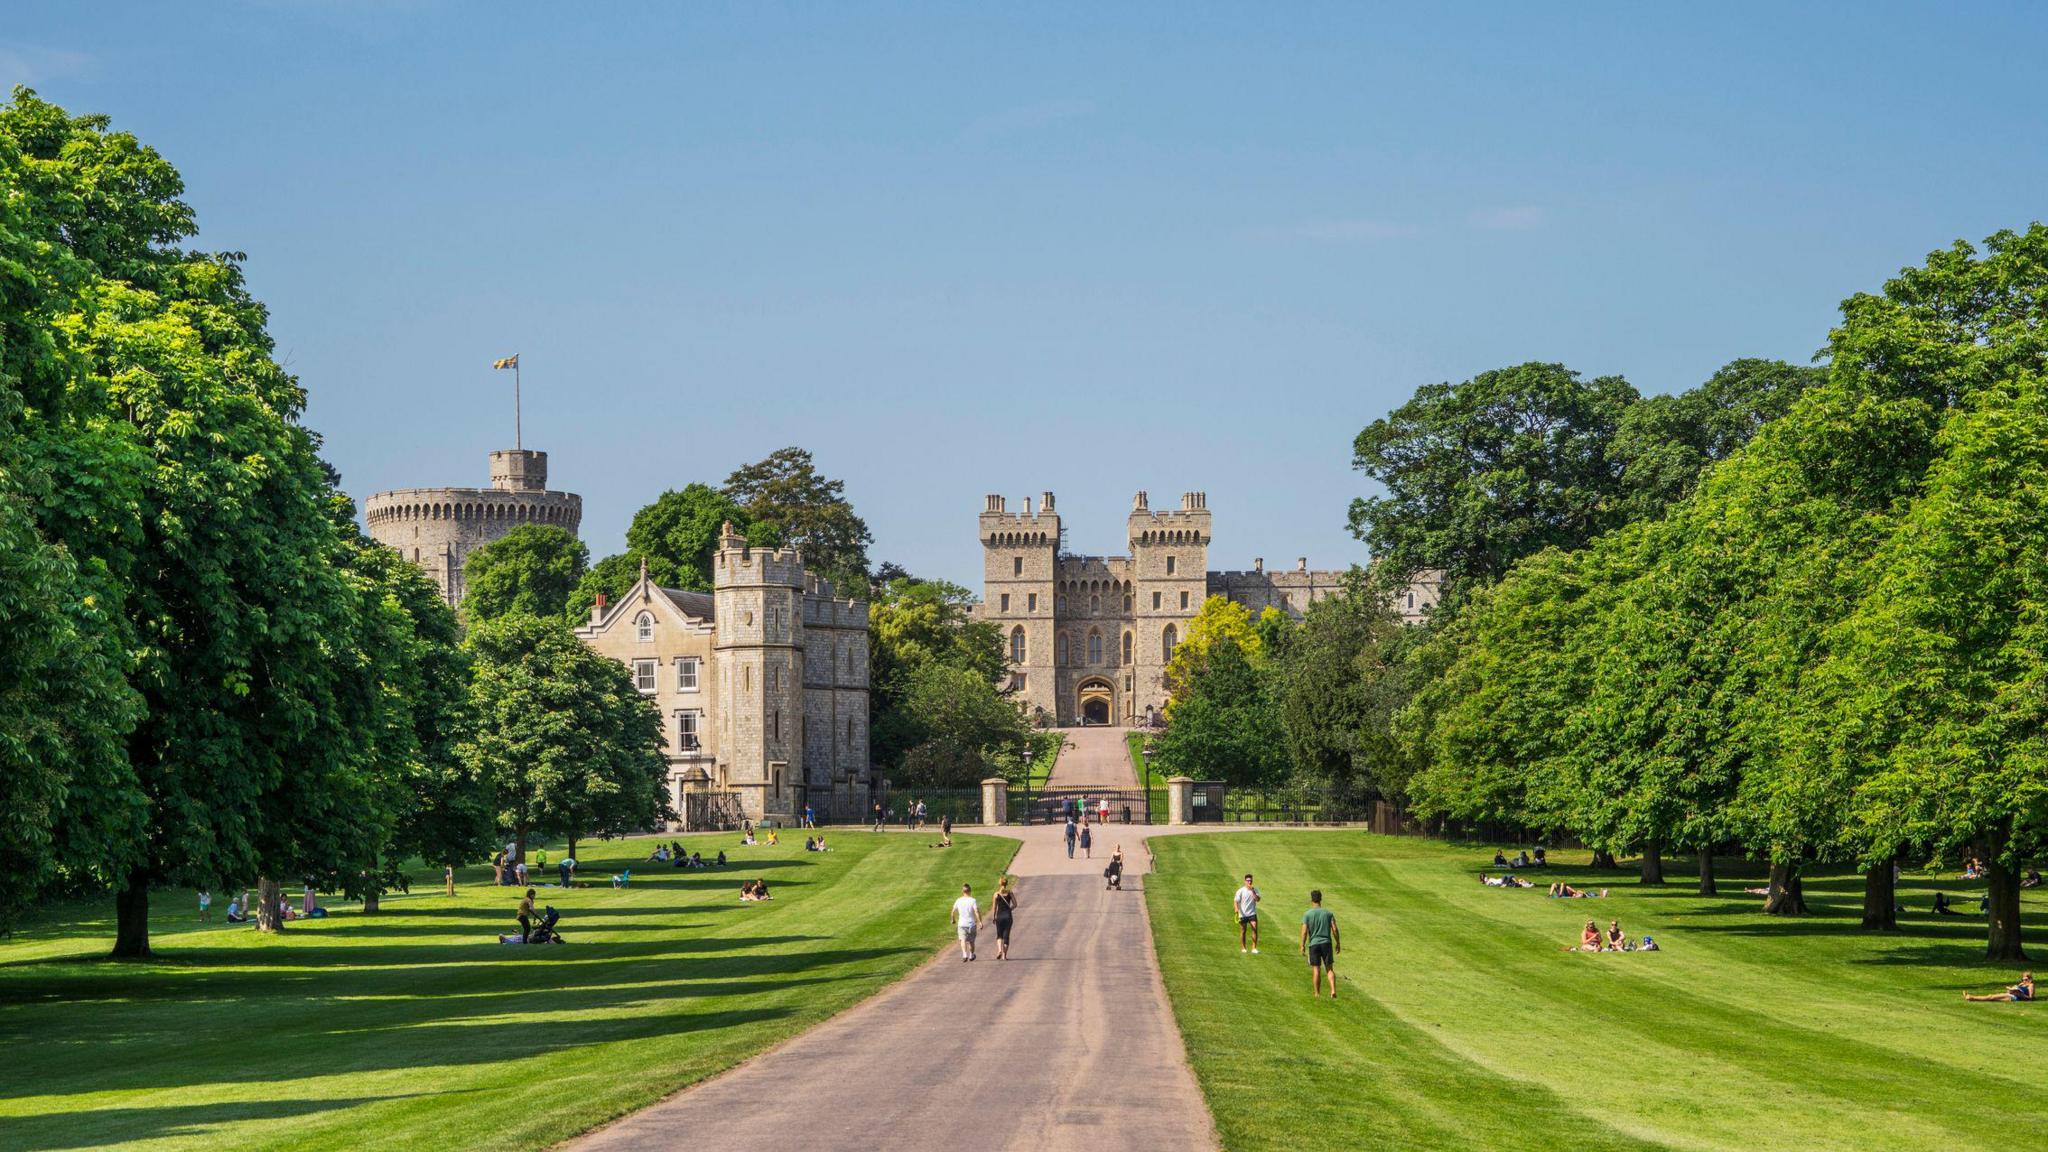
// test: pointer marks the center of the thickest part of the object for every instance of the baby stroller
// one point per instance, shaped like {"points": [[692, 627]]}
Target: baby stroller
{"points": [[541, 933]]}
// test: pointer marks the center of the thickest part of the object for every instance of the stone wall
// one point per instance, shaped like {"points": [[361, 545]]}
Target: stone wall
{"points": [[437, 528]]}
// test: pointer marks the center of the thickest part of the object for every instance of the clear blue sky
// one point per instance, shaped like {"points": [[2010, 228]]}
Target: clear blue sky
{"points": [[956, 249]]}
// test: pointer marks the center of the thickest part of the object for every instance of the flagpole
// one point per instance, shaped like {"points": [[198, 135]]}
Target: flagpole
{"points": [[518, 443]]}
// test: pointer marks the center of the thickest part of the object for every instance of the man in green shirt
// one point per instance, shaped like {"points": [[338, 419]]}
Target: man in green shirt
{"points": [[1320, 943]]}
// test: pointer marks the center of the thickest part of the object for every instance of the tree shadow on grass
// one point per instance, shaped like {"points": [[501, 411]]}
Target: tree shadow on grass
{"points": [[101, 1127]]}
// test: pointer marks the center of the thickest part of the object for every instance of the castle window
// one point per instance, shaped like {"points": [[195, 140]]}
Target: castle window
{"points": [[1016, 681], [643, 625], [849, 731], [1155, 601], [1127, 648], [1167, 641], [686, 673], [1063, 605], [1017, 644], [1095, 647], [1169, 565], [775, 724], [686, 731], [747, 679], [1411, 601], [1127, 603], [1031, 602], [1183, 601], [1060, 649], [644, 672], [1016, 565], [1094, 605], [1005, 602]]}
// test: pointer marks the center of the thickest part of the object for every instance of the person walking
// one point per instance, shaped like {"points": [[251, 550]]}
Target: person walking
{"points": [[205, 904], [966, 915], [1086, 840], [946, 830], [810, 817], [1070, 834], [540, 860], [498, 868], [879, 814], [1246, 903], [1320, 943], [1004, 907], [920, 813]]}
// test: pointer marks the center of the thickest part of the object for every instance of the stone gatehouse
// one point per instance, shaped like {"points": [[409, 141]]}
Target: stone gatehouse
{"points": [[1089, 637]]}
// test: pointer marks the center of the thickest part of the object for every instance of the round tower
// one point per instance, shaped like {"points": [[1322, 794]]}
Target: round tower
{"points": [[437, 528]]}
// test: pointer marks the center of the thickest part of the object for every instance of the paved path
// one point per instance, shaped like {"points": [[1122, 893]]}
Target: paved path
{"points": [[1094, 758], [1069, 1044]]}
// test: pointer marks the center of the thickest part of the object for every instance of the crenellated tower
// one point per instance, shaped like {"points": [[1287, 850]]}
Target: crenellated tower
{"points": [[1020, 555], [1170, 575], [758, 593]]}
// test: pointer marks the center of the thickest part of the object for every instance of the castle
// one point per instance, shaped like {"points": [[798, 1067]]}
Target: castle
{"points": [[1089, 637], [762, 684], [437, 528]]}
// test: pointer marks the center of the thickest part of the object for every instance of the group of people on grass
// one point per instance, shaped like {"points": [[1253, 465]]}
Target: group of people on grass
{"points": [[754, 891], [1592, 939], [672, 854], [1319, 940]]}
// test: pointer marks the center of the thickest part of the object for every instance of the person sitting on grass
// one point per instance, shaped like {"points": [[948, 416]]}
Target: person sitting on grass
{"points": [[679, 859], [774, 838], [747, 840], [2018, 993], [2033, 879], [1589, 939], [659, 855], [1973, 869], [1942, 907], [747, 892], [699, 858], [1500, 859], [1617, 940], [810, 844], [821, 843], [1542, 861], [236, 914], [1522, 860]]}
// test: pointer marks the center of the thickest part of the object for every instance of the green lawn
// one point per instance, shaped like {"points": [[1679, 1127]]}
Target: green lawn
{"points": [[1152, 782], [414, 1029], [1462, 1024]]}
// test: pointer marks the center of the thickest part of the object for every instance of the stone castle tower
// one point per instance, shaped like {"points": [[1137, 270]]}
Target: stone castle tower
{"points": [[758, 593], [437, 528], [1089, 637]]}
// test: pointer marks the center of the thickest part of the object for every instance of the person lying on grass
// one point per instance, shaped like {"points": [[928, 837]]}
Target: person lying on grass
{"points": [[1564, 891], [1506, 882], [2017, 993]]}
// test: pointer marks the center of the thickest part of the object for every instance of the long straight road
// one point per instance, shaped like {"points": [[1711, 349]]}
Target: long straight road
{"points": [[1069, 1044]]}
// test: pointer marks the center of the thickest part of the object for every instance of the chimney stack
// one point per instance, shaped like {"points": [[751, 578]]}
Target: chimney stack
{"points": [[1045, 502], [1259, 565], [1301, 565], [1138, 503], [597, 611]]}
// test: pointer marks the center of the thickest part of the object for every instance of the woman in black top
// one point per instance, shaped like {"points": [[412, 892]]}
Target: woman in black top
{"points": [[1005, 906]]}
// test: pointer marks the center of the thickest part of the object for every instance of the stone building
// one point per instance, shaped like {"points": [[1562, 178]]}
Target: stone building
{"points": [[437, 528], [1089, 637], [762, 685]]}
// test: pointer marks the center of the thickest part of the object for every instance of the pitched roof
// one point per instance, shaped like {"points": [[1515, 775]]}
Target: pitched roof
{"points": [[696, 605]]}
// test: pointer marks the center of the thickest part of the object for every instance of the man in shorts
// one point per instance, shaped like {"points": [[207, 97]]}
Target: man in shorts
{"points": [[1319, 943], [966, 913], [1245, 902]]}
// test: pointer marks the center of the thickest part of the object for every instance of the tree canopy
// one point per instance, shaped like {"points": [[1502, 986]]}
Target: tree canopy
{"points": [[532, 570], [785, 495]]}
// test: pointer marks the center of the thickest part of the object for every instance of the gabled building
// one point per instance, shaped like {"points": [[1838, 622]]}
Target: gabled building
{"points": [[762, 685]]}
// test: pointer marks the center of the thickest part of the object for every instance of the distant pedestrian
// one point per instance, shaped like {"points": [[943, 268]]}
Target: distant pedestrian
{"points": [[920, 813], [1004, 907], [810, 817], [498, 869], [966, 916], [1086, 840], [1320, 943], [540, 860], [946, 830], [1246, 902], [205, 904], [451, 878], [1102, 810], [879, 814], [1070, 834], [568, 869]]}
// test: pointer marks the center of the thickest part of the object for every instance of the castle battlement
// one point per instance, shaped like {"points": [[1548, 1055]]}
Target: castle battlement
{"points": [[438, 527], [739, 563], [1187, 525], [1001, 526]]}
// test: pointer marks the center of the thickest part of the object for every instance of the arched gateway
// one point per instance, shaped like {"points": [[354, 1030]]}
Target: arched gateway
{"points": [[1095, 700]]}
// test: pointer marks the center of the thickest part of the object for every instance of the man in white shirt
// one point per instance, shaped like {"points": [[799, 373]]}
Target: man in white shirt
{"points": [[966, 914], [1246, 902]]}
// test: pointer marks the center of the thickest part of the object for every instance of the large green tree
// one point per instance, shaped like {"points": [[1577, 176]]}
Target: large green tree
{"points": [[915, 625], [566, 744], [1226, 723], [797, 506], [1341, 678], [190, 498], [531, 570], [676, 537], [1664, 443], [1482, 473]]}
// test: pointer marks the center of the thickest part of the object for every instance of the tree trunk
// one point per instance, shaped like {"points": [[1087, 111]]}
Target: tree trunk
{"points": [[269, 895], [1653, 863], [572, 845], [451, 879], [131, 919], [1880, 898], [370, 902], [1602, 858], [2004, 891], [1707, 870], [1788, 897]]}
